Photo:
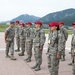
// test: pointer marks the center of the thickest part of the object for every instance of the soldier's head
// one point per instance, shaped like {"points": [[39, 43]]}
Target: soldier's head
{"points": [[73, 24], [12, 24], [54, 26], [38, 24], [28, 24], [61, 24], [22, 24], [17, 22]]}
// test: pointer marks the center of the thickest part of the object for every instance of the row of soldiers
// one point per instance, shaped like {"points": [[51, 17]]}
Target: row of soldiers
{"points": [[27, 37]]}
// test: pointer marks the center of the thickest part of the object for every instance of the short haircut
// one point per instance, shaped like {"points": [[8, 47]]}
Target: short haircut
{"points": [[12, 22]]}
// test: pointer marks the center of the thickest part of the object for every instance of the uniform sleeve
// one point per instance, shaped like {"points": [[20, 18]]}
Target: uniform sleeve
{"points": [[7, 31], [53, 39], [60, 43], [32, 34], [65, 34], [42, 38]]}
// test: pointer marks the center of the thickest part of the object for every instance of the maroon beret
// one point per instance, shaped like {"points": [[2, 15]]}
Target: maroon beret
{"points": [[52, 24], [61, 22], [22, 23], [39, 22], [73, 23], [17, 21], [29, 23]]}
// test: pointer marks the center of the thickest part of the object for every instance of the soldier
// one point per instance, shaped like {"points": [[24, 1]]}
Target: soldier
{"points": [[17, 35], [22, 38], [64, 38], [48, 56], [29, 40], [38, 41], [54, 41], [73, 48], [9, 40]]}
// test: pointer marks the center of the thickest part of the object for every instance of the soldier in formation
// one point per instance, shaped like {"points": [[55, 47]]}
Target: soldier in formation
{"points": [[73, 48], [64, 33], [9, 40], [39, 40], [29, 41], [17, 35], [54, 48], [22, 38]]}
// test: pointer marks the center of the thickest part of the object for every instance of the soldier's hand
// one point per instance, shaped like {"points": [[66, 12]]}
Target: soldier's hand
{"points": [[58, 56], [40, 48], [30, 42]]}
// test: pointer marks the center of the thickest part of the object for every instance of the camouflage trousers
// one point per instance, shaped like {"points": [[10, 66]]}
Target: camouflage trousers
{"points": [[29, 49], [38, 55], [10, 46], [49, 60], [53, 64], [22, 45], [73, 65], [18, 42], [63, 50]]}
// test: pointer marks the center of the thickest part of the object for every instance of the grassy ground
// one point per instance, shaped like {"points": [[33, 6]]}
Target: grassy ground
{"points": [[69, 31], [3, 27]]}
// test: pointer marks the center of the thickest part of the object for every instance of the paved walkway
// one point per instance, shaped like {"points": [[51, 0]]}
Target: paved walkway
{"points": [[20, 67]]}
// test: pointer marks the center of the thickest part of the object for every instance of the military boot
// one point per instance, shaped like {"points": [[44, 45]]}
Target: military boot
{"points": [[7, 56], [25, 59], [28, 60], [21, 54], [13, 58], [70, 64], [17, 50], [37, 68], [63, 58], [34, 66]]}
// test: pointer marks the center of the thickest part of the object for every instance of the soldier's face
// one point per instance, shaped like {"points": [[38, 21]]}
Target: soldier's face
{"points": [[53, 28], [60, 25], [21, 25], [74, 26], [12, 25], [27, 25], [16, 23], [37, 26]]}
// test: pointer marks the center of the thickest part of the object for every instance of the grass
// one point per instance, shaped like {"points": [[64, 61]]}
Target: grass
{"points": [[69, 31], [3, 28]]}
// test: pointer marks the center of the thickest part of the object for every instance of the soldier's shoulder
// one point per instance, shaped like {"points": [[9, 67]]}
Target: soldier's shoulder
{"points": [[42, 30], [7, 29]]}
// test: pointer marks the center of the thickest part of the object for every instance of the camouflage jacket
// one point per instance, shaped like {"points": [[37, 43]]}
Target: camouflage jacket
{"points": [[22, 33], [10, 33], [17, 31], [39, 38], [29, 32], [64, 33], [54, 43]]}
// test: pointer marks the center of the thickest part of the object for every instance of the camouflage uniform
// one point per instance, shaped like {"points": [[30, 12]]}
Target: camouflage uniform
{"points": [[29, 43], [17, 37], [73, 51], [39, 41], [64, 34], [22, 40], [55, 46], [10, 33], [48, 56]]}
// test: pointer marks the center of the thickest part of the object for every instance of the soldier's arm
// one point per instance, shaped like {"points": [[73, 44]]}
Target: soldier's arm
{"points": [[42, 38], [6, 33], [65, 34], [32, 34]]}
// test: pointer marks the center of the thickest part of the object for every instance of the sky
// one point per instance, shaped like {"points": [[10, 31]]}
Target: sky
{"points": [[10, 9]]}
